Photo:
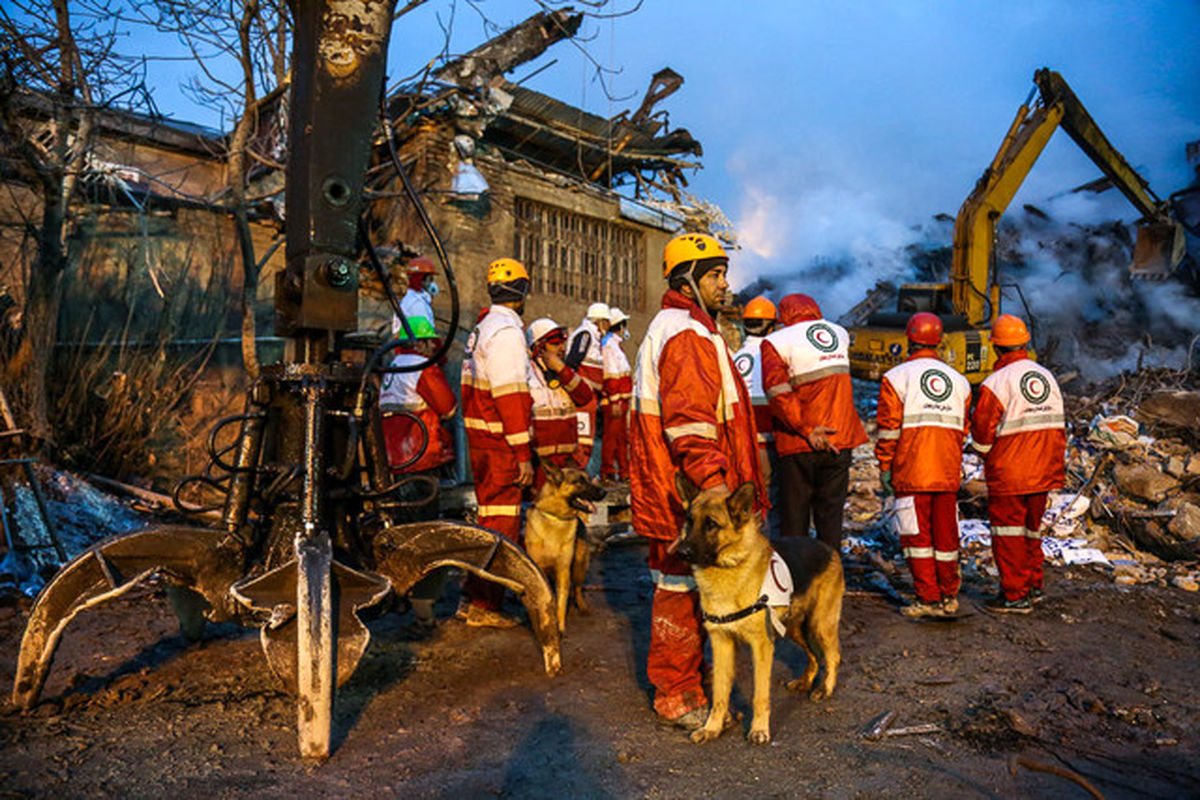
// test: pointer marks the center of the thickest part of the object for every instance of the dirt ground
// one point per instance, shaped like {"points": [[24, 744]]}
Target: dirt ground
{"points": [[1101, 680]]}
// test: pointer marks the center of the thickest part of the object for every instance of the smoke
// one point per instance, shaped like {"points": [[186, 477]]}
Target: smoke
{"points": [[801, 229]]}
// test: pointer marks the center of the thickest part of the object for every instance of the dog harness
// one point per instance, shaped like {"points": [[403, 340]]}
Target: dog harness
{"points": [[776, 594]]}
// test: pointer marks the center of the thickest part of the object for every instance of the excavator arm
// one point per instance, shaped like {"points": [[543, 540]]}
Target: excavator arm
{"points": [[975, 290]]}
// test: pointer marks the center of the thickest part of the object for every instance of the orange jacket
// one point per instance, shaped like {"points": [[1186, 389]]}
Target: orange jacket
{"points": [[1020, 428], [428, 396], [806, 375], [555, 425], [592, 368], [497, 407], [923, 418], [690, 413]]}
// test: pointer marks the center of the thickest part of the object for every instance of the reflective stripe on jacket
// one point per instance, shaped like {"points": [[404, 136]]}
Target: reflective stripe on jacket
{"points": [[747, 362], [806, 377], [555, 426], [426, 394], [497, 407], [1020, 428], [922, 418], [690, 413]]}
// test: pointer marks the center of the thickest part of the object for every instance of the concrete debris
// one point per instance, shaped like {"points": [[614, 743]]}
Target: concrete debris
{"points": [[1143, 481]]}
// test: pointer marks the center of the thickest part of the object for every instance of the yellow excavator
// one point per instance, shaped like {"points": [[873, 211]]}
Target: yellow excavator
{"points": [[970, 302]]}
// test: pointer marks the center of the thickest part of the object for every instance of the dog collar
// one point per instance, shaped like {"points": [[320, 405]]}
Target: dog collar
{"points": [[759, 605]]}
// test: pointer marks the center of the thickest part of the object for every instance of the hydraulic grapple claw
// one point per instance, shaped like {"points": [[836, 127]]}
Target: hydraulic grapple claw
{"points": [[406, 553], [195, 558]]}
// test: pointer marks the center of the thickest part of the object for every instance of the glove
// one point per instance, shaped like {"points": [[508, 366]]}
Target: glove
{"points": [[885, 480]]}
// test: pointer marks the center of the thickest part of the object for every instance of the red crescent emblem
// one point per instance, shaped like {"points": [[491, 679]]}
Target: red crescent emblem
{"points": [[775, 577]]}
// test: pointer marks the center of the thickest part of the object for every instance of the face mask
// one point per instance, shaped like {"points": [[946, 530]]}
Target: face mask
{"points": [[625, 334], [432, 288]]}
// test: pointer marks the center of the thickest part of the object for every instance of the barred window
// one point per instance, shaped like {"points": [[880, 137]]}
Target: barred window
{"points": [[581, 257]]}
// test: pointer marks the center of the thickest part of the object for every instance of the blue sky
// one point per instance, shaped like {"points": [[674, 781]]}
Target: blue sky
{"points": [[832, 129]]}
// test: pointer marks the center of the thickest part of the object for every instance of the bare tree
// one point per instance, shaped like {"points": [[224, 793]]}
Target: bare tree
{"points": [[58, 68]]}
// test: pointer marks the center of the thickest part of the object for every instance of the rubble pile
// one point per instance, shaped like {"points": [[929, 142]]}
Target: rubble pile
{"points": [[1131, 506]]}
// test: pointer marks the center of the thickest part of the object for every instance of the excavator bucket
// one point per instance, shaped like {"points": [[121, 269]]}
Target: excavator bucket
{"points": [[1158, 250], [204, 563], [406, 553]]}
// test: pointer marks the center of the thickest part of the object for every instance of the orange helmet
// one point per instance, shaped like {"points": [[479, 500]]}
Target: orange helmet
{"points": [[759, 308], [1009, 331], [924, 328], [690, 247], [420, 265], [798, 308], [503, 270]]}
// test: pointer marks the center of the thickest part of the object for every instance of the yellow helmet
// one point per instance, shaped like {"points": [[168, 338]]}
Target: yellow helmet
{"points": [[690, 247], [503, 270]]}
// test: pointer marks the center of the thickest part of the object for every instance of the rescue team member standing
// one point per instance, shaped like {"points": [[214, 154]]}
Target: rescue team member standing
{"points": [[584, 355], [1019, 428], [418, 297], [690, 414], [618, 383], [923, 418], [497, 415], [758, 320], [806, 375], [404, 398], [557, 392]]}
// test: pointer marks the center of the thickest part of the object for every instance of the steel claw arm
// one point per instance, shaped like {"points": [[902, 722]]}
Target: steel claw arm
{"points": [[405, 553], [200, 560]]}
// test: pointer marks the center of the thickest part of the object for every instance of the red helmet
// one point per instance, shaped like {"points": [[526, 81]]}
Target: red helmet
{"points": [[924, 328], [795, 308], [420, 265], [1009, 331]]}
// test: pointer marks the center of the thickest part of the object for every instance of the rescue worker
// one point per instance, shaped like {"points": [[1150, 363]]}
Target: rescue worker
{"points": [[691, 414], [498, 416], [1019, 428], [405, 398], [418, 298], [806, 375], [923, 419], [557, 392], [584, 355], [614, 407], [758, 320]]}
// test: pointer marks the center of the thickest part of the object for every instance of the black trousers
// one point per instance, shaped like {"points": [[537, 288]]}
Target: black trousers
{"points": [[812, 493]]}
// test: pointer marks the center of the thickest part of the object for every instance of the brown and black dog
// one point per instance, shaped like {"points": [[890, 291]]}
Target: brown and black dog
{"points": [[730, 557], [562, 504]]}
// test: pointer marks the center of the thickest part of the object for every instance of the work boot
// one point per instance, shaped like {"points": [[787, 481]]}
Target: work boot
{"points": [[920, 608], [689, 721], [480, 617], [999, 605], [950, 605], [464, 605]]}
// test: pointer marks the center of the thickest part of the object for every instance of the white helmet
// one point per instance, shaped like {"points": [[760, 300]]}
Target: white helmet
{"points": [[540, 328], [616, 316], [598, 311]]}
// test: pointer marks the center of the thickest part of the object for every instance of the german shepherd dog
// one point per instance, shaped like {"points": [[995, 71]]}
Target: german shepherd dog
{"points": [[723, 541], [559, 509]]}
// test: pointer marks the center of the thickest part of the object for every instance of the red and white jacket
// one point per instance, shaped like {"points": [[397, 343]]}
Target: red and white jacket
{"points": [[592, 368], [923, 418], [806, 375], [618, 378], [497, 406], [1020, 428], [427, 395], [748, 362], [555, 427], [690, 413]]}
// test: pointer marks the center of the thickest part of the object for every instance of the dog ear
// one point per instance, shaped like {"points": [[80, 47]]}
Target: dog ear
{"points": [[740, 504], [553, 472], [687, 490]]}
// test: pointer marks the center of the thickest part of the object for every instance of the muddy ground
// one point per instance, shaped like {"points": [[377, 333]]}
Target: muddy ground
{"points": [[1101, 680]]}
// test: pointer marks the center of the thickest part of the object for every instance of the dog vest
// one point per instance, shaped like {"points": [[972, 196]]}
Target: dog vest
{"points": [[775, 594]]}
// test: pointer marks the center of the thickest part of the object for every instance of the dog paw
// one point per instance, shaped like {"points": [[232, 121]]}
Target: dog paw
{"points": [[582, 606], [819, 693], [705, 734], [797, 685], [758, 736]]}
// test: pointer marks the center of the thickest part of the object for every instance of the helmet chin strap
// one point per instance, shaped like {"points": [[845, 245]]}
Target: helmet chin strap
{"points": [[691, 281]]}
